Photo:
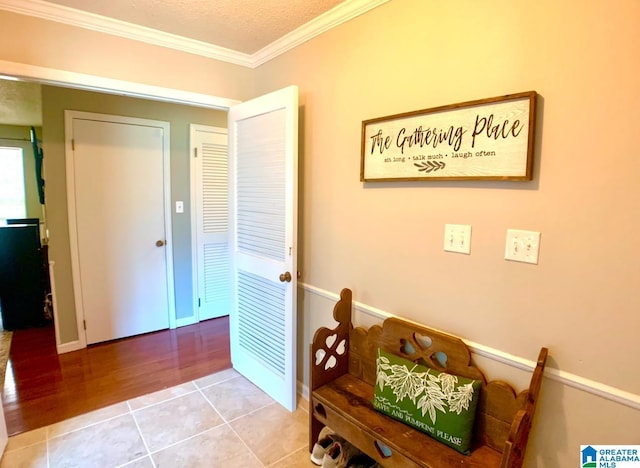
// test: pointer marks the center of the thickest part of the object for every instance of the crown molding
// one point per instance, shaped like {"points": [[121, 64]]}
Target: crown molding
{"points": [[335, 17], [93, 22], [82, 19]]}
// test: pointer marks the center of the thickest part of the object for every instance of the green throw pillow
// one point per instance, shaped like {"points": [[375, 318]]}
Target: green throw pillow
{"points": [[439, 404]]}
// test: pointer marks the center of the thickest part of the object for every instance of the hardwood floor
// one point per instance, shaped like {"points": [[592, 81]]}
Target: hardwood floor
{"points": [[42, 387]]}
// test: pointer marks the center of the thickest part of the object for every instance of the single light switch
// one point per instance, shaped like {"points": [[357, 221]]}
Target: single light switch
{"points": [[179, 207]]}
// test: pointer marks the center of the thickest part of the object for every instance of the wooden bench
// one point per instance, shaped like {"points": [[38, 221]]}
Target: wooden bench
{"points": [[343, 375]]}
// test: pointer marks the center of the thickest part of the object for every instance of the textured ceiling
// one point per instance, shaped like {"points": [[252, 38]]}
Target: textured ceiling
{"points": [[20, 103], [241, 25]]}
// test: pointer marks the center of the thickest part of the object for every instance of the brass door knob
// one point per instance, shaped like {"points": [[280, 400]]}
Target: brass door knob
{"points": [[159, 243], [285, 277]]}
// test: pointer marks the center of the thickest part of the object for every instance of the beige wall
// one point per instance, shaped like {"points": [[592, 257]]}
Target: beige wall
{"points": [[384, 240], [54, 101], [43, 43]]}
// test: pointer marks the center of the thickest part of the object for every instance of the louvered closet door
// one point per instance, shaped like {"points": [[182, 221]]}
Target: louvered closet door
{"points": [[263, 164], [211, 201]]}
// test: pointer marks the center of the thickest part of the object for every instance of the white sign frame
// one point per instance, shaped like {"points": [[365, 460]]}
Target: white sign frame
{"points": [[487, 139]]}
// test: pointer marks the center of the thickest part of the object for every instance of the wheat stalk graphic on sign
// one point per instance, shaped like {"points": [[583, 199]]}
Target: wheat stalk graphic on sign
{"points": [[430, 166]]}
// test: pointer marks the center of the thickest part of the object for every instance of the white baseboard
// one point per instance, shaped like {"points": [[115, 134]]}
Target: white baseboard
{"points": [[303, 390], [572, 380], [183, 322], [70, 346]]}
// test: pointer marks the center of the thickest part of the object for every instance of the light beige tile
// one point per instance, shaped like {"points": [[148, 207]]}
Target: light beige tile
{"points": [[273, 432], [33, 456], [218, 377], [140, 463], [236, 397], [298, 459], [217, 447], [162, 395], [26, 438], [87, 419], [175, 420], [109, 443]]}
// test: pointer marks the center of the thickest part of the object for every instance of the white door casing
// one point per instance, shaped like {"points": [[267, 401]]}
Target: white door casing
{"points": [[210, 221], [118, 193], [263, 151], [4, 437]]}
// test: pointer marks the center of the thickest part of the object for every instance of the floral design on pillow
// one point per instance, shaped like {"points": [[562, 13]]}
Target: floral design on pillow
{"points": [[440, 404]]}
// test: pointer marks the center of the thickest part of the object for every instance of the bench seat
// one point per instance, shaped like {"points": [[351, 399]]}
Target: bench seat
{"points": [[343, 375], [345, 403]]}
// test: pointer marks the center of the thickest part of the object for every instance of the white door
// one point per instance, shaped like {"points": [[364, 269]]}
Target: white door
{"points": [[116, 175], [263, 152], [210, 220]]}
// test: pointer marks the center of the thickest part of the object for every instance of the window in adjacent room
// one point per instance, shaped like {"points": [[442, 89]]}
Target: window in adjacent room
{"points": [[12, 189]]}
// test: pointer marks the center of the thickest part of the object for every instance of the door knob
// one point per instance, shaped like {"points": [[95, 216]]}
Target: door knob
{"points": [[159, 243], [285, 277]]}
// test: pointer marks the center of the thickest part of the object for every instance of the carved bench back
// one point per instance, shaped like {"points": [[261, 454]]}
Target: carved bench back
{"points": [[498, 402]]}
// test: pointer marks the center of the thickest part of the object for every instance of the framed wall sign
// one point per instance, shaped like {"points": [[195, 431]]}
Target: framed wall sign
{"points": [[488, 139]]}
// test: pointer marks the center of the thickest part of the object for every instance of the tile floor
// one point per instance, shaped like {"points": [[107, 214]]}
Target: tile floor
{"points": [[222, 420]]}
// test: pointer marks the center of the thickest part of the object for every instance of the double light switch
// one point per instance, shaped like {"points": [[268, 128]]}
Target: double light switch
{"points": [[522, 246], [457, 238]]}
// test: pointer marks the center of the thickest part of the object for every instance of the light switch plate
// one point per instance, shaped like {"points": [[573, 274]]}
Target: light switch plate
{"points": [[457, 238], [179, 207], [522, 246]]}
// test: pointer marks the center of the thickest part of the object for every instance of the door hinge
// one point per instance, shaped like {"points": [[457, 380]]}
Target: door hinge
{"points": [[73, 144], [195, 152], [84, 324], [198, 302]]}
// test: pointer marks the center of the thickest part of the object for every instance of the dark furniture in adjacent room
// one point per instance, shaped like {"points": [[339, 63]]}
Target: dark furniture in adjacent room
{"points": [[22, 280]]}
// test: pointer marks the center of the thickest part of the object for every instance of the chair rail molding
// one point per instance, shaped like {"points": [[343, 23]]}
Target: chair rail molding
{"points": [[593, 387]]}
